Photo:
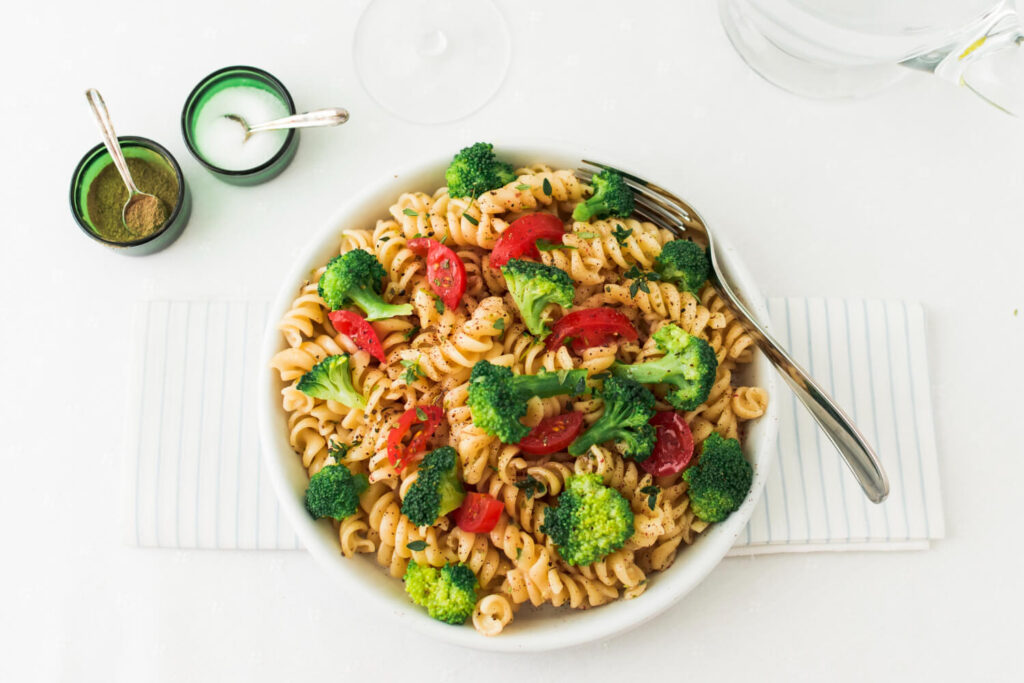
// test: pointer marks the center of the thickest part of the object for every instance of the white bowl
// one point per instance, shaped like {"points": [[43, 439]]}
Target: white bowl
{"points": [[531, 630]]}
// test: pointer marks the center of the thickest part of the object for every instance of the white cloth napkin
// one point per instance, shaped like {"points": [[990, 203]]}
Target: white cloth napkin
{"points": [[194, 473]]}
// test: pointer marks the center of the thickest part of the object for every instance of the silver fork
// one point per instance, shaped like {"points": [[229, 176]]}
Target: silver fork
{"points": [[664, 209]]}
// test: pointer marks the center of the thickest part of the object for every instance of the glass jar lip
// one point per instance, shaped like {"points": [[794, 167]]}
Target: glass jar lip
{"points": [[153, 146], [204, 82]]}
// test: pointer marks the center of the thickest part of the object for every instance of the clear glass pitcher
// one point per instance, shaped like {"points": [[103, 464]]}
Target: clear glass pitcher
{"points": [[850, 48]]}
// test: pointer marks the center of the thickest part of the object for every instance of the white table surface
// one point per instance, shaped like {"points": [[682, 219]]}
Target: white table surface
{"points": [[915, 193]]}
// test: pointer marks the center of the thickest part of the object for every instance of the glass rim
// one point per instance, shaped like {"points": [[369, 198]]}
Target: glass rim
{"points": [[203, 83], [151, 145]]}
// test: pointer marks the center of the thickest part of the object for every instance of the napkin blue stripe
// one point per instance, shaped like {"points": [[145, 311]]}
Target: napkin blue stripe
{"points": [[866, 378], [220, 439], [160, 439], [832, 391], [853, 402], [796, 429], [817, 432], [142, 404], [181, 432], [874, 411], [913, 401], [202, 412]]}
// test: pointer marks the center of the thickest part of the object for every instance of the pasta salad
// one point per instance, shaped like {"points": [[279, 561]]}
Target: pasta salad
{"points": [[511, 391]]}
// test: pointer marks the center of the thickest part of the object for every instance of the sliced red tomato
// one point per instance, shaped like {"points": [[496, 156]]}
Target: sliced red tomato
{"points": [[362, 334], [520, 238], [418, 424], [553, 434], [591, 327], [446, 272], [674, 447], [479, 513]]}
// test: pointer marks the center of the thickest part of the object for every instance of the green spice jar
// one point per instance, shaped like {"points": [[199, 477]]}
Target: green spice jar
{"points": [[107, 195], [98, 195]]}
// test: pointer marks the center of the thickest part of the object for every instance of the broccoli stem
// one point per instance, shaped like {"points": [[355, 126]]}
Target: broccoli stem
{"points": [[651, 372], [595, 435], [548, 384], [375, 307]]}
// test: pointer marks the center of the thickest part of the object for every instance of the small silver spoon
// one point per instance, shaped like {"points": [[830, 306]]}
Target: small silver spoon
{"points": [[135, 196], [311, 119]]}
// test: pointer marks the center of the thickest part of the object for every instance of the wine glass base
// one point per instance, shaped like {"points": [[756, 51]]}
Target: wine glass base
{"points": [[431, 62], [801, 76]]}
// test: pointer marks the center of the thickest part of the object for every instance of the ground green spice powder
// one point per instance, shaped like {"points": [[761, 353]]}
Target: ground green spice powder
{"points": [[107, 195]]}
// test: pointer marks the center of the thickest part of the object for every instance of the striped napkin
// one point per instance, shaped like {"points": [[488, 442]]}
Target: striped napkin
{"points": [[194, 473]]}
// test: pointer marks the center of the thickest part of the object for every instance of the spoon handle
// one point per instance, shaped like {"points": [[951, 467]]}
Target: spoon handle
{"points": [[99, 109], [311, 119]]}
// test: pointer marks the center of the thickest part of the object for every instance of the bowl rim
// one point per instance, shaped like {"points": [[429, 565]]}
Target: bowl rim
{"points": [[672, 584]]}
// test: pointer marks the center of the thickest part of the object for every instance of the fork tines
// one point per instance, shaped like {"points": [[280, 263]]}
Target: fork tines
{"points": [[653, 203]]}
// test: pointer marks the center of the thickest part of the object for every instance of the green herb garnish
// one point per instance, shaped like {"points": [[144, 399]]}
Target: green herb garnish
{"points": [[410, 212], [621, 234], [465, 214], [523, 186], [499, 324], [587, 235], [413, 371], [640, 279], [416, 545], [547, 187], [531, 486], [652, 495], [338, 450], [438, 305]]}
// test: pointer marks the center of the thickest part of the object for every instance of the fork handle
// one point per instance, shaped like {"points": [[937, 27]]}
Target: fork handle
{"points": [[840, 430]]}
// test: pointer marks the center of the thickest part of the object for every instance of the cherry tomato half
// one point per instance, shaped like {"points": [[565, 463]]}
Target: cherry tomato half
{"points": [[362, 334], [674, 447], [591, 327], [479, 513], [446, 272], [520, 238], [553, 434], [418, 424]]}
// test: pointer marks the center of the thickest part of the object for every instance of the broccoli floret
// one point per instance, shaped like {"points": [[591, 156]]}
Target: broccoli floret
{"points": [[437, 489], [334, 492], [684, 263], [720, 480], [475, 170], [689, 366], [612, 197], [497, 396], [354, 277], [448, 592], [628, 407], [331, 380], [590, 521], [533, 286]]}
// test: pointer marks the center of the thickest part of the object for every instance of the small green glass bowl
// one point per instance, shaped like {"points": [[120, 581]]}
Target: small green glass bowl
{"points": [[133, 147], [229, 77]]}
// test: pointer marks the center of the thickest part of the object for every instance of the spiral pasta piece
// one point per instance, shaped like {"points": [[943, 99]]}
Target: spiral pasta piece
{"points": [[534, 188], [492, 614]]}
